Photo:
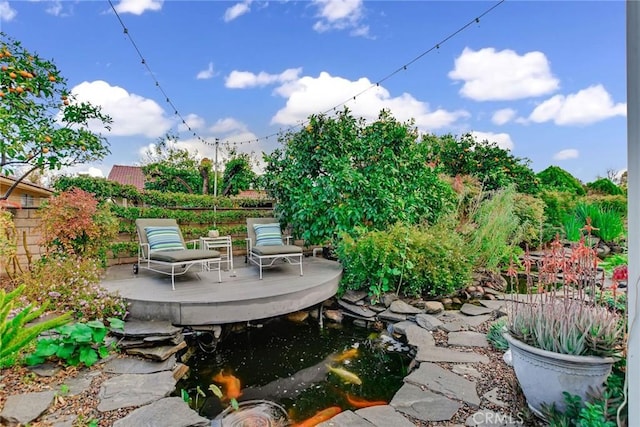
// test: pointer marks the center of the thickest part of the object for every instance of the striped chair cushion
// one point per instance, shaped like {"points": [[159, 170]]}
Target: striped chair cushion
{"points": [[268, 234], [164, 238]]}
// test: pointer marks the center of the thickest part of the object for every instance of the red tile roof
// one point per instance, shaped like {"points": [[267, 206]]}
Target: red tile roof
{"points": [[131, 175]]}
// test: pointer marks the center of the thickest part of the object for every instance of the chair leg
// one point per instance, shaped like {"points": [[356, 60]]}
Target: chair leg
{"points": [[301, 266], [173, 278], [219, 272]]}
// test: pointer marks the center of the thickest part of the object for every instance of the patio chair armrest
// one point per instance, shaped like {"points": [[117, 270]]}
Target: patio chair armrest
{"points": [[194, 242]]}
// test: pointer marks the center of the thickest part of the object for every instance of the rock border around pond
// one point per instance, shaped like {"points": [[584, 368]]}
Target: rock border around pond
{"points": [[431, 393]]}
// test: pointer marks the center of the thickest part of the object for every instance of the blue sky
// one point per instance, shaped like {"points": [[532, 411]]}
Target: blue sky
{"points": [[545, 79]]}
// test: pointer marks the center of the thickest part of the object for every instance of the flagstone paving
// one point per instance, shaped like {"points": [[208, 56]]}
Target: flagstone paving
{"points": [[430, 392]]}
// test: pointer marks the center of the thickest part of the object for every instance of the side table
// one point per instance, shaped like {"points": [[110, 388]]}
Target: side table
{"points": [[222, 244]]}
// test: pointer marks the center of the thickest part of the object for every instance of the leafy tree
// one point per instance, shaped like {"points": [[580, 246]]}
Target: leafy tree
{"points": [[339, 173], [556, 178], [205, 172], [238, 174], [172, 169], [42, 126], [604, 186], [493, 166]]}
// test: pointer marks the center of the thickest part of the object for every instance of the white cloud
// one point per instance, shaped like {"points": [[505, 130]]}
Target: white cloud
{"points": [[310, 95], [54, 8], [94, 172], [131, 113], [193, 121], [76, 170], [490, 76], [587, 106], [569, 153], [340, 15], [502, 139], [246, 79], [138, 7], [206, 74], [237, 10], [503, 116], [6, 12], [227, 125]]}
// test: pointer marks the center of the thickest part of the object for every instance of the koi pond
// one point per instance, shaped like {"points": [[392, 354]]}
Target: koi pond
{"points": [[298, 369]]}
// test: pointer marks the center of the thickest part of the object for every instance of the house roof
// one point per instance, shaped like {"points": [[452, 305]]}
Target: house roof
{"points": [[127, 175], [7, 181]]}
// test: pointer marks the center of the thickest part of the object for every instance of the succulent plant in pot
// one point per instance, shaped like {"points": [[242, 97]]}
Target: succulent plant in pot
{"points": [[561, 338]]}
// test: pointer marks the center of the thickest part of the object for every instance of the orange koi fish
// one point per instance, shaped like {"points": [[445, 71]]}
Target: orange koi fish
{"points": [[359, 403], [347, 354], [231, 385], [319, 417]]}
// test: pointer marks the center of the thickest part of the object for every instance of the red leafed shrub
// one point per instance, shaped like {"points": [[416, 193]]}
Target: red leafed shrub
{"points": [[73, 223]]}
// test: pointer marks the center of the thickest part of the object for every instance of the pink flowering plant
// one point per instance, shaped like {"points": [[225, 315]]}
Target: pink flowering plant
{"points": [[72, 284], [561, 313]]}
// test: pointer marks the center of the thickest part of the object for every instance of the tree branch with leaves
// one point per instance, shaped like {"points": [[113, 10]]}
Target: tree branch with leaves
{"points": [[42, 125]]}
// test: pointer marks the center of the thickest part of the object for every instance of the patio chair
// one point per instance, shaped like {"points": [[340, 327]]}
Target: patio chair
{"points": [[265, 244], [162, 249]]}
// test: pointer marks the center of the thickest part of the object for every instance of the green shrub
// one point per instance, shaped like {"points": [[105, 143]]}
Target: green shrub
{"points": [[557, 179], [104, 189], [557, 205], [101, 188], [75, 344], [604, 186], [410, 260], [15, 331], [441, 263]]}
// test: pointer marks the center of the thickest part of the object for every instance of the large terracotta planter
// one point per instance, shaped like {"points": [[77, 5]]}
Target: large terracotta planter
{"points": [[543, 375]]}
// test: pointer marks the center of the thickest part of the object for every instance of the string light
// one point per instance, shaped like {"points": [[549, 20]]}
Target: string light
{"points": [[404, 67], [144, 62]]}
